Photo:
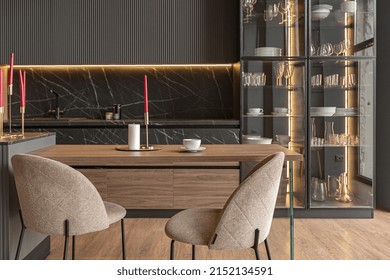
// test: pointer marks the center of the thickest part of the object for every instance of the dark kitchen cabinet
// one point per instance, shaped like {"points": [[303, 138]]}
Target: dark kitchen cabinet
{"points": [[81, 32]]}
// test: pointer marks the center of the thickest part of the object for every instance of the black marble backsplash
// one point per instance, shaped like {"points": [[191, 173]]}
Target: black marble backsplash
{"points": [[175, 92]]}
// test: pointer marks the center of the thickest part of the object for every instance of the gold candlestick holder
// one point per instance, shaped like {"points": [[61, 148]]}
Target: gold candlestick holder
{"points": [[147, 146], [10, 89], [22, 111]]}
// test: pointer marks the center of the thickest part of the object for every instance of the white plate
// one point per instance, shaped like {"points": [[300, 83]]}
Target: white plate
{"points": [[184, 149], [254, 114], [321, 114]]}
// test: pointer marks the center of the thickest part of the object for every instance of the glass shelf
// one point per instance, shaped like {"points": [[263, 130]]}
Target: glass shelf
{"points": [[275, 116]]}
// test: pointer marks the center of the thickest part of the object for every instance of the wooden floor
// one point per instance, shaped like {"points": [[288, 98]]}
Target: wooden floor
{"points": [[315, 239]]}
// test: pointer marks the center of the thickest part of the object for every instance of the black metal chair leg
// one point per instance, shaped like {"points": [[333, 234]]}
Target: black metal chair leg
{"points": [[73, 247], [21, 236], [256, 244], [267, 249], [193, 252], [123, 239], [66, 239], [172, 252]]}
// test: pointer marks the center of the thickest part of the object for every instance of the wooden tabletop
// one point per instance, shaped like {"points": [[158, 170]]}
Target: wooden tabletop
{"points": [[169, 155]]}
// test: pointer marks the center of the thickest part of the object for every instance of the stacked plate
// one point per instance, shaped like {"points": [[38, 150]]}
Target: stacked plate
{"points": [[255, 139], [346, 111], [320, 11], [268, 51], [322, 111]]}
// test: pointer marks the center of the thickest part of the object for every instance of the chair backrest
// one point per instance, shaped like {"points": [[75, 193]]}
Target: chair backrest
{"points": [[250, 207], [51, 192]]}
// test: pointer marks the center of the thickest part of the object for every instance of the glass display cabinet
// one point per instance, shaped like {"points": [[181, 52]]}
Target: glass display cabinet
{"points": [[307, 83], [341, 97]]}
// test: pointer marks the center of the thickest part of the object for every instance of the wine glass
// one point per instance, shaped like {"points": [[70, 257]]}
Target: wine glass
{"points": [[248, 9], [338, 48], [279, 70], [288, 72]]}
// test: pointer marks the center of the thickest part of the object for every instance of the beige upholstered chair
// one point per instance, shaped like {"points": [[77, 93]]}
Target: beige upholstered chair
{"points": [[244, 221], [56, 199]]}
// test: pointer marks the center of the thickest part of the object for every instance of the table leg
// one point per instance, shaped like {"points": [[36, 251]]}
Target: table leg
{"points": [[291, 210]]}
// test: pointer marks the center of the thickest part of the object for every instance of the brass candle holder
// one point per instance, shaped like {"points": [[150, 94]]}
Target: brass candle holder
{"points": [[10, 89], [147, 146], [22, 111]]}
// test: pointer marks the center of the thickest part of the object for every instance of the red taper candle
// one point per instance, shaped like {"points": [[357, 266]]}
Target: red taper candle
{"points": [[24, 89], [11, 70], [1, 88], [146, 107]]}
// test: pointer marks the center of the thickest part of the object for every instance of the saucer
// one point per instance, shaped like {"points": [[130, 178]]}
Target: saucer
{"points": [[200, 149], [279, 114], [254, 114]]}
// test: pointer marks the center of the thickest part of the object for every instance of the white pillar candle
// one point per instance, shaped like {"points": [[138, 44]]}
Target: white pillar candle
{"points": [[134, 136]]}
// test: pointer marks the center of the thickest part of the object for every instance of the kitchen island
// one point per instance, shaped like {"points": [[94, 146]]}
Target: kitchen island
{"points": [[167, 178]]}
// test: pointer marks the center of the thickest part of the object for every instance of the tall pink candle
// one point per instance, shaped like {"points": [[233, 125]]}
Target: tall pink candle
{"points": [[1, 88], [24, 90], [11, 70], [146, 107]]}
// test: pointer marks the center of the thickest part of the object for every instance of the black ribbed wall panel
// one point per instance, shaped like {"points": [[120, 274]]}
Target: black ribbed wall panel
{"points": [[119, 31]]}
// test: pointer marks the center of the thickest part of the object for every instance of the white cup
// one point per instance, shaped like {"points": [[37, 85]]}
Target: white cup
{"points": [[348, 7], [191, 144], [282, 110], [255, 110]]}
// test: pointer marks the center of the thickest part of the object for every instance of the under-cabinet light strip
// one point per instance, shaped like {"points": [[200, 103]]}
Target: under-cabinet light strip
{"points": [[123, 66]]}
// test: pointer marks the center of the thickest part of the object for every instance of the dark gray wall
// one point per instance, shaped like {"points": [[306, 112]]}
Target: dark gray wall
{"points": [[383, 106], [119, 31]]}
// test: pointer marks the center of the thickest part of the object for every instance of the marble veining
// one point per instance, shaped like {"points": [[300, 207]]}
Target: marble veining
{"points": [[175, 92], [156, 136]]}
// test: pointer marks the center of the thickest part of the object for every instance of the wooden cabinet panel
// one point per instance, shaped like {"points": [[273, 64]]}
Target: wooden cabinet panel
{"points": [[203, 187], [141, 189], [98, 177]]}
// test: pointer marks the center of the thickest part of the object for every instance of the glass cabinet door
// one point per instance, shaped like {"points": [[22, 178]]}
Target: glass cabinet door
{"points": [[341, 28], [341, 132], [273, 28], [273, 111]]}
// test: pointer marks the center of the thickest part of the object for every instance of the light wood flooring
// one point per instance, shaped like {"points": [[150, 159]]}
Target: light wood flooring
{"points": [[315, 239]]}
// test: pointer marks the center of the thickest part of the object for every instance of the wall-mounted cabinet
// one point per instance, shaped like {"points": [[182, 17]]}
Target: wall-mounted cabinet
{"points": [[74, 32], [307, 82]]}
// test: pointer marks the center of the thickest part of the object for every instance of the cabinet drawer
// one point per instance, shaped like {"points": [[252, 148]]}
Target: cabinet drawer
{"points": [[98, 177], [203, 187], [141, 189]]}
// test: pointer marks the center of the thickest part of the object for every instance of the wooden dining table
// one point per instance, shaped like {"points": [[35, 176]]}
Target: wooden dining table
{"points": [[168, 177]]}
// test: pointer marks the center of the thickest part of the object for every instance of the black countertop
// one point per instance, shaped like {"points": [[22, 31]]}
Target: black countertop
{"points": [[95, 123], [17, 138]]}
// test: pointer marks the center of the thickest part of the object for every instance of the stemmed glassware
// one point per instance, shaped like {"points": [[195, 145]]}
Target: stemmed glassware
{"points": [[338, 48], [279, 70], [288, 72], [248, 10]]}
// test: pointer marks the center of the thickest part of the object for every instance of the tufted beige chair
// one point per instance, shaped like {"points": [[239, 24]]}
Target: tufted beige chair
{"points": [[56, 199], [244, 221]]}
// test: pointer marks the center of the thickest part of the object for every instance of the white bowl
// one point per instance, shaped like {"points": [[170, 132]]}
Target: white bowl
{"points": [[265, 141], [322, 6], [255, 139], [319, 15], [191, 144], [283, 139]]}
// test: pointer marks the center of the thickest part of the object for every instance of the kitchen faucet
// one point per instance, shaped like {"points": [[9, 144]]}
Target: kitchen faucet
{"points": [[56, 112]]}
